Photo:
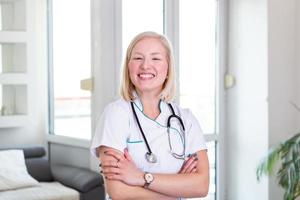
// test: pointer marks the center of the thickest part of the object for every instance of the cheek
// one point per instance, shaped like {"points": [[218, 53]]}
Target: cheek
{"points": [[164, 70], [132, 69]]}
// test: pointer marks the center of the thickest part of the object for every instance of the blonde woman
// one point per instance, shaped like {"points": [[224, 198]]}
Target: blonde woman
{"points": [[148, 146]]}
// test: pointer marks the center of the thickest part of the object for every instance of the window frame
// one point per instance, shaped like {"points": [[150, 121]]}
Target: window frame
{"points": [[172, 31], [221, 39], [50, 68], [51, 137]]}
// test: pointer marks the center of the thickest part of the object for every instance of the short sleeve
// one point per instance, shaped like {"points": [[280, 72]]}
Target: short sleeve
{"points": [[112, 129], [194, 134]]}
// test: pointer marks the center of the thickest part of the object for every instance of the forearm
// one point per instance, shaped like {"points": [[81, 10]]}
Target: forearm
{"points": [[180, 185], [184, 185], [120, 191], [130, 179]]}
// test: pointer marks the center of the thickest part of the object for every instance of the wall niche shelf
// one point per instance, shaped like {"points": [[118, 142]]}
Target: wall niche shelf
{"points": [[15, 62]]}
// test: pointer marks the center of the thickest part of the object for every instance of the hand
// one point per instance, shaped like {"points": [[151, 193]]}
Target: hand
{"points": [[190, 165], [122, 168]]}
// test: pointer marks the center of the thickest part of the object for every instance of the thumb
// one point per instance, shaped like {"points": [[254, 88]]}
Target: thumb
{"points": [[127, 155]]}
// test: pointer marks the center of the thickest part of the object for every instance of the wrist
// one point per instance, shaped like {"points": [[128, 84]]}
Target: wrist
{"points": [[141, 179], [149, 178]]}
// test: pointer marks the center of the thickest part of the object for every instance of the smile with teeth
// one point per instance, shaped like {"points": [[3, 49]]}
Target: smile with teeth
{"points": [[146, 75]]}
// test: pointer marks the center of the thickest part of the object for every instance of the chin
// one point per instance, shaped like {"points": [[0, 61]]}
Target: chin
{"points": [[147, 89]]}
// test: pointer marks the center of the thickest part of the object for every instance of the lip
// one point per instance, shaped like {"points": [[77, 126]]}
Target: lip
{"points": [[146, 76]]}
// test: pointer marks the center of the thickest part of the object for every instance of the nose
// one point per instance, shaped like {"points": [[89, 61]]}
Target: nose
{"points": [[145, 64]]}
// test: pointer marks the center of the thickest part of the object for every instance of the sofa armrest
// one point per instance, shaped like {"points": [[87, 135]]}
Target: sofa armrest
{"points": [[80, 179]]}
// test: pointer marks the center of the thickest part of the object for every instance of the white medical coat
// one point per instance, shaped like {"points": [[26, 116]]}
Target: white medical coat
{"points": [[118, 129]]}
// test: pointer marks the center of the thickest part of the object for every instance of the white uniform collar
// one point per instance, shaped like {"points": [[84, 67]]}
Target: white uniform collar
{"points": [[163, 106]]}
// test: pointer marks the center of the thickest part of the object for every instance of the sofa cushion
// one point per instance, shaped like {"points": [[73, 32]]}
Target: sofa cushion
{"points": [[80, 179], [13, 171], [39, 168], [29, 152], [34, 152], [46, 191]]}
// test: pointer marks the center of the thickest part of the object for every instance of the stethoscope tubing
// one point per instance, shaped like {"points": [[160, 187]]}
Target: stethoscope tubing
{"points": [[168, 126], [140, 127]]}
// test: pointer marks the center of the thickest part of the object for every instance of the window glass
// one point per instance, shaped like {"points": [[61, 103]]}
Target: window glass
{"points": [[197, 70], [197, 49], [70, 63], [139, 16]]}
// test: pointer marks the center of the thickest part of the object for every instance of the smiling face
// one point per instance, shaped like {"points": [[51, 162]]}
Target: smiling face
{"points": [[148, 65]]}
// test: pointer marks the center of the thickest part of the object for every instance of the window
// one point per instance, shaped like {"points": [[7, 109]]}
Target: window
{"points": [[197, 70], [69, 62], [197, 60]]}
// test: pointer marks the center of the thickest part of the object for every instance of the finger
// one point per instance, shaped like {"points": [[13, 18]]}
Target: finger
{"points": [[110, 163], [107, 173], [187, 164], [182, 167], [113, 177], [193, 164], [195, 155], [191, 167], [114, 154], [127, 155], [111, 170]]}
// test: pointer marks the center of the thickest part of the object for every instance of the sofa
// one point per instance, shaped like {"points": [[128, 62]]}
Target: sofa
{"points": [[55, 181]]}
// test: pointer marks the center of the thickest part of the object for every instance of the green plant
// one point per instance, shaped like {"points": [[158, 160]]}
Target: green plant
{"points": [[287, 156]]}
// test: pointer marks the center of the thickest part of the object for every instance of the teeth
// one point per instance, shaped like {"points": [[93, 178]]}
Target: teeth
{"points": [[146, 75]]}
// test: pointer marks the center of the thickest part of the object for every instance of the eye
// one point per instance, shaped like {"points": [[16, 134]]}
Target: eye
{"points": [[137, 58], [156, 58]]}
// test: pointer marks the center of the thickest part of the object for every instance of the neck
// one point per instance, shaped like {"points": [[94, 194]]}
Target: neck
{"points": [[150, 104]]}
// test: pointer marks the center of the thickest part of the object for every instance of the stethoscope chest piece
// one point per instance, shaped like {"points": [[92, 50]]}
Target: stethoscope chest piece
{"points": [[150, 157]]}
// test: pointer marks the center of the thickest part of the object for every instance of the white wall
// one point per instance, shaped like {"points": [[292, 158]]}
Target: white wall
{"points": [[264, 55], [282, 39], [247, 108], [35, 131], [282, 69]]}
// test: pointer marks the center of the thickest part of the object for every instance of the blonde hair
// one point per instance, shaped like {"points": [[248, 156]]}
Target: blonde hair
{"points": [[127, 88]]}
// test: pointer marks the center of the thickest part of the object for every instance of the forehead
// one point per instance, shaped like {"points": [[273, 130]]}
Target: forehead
{"points": [[149, 44]]}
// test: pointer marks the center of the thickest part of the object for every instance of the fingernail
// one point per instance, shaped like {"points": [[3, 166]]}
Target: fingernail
{"points": [[194, 154], [196, 158], [100, 165], [101, 171], [189, 155]]}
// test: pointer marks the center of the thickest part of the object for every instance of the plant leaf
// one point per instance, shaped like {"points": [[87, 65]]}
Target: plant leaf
{"points": [[266, 166], [287, 154]]}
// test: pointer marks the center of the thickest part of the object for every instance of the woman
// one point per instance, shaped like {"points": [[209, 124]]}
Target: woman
{"points": [[145, 153]]}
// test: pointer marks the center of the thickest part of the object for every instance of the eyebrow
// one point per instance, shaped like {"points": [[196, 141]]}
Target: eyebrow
{"points": [[154, 53]]}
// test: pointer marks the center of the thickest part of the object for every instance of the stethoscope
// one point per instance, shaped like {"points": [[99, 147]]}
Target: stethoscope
{"points": [[150, 156]]}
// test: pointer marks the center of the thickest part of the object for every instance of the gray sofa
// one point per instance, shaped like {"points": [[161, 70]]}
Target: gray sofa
{"points": [[88, 183]]}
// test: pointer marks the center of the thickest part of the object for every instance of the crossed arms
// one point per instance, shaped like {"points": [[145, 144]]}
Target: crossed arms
{"points": [[123, 180]]}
